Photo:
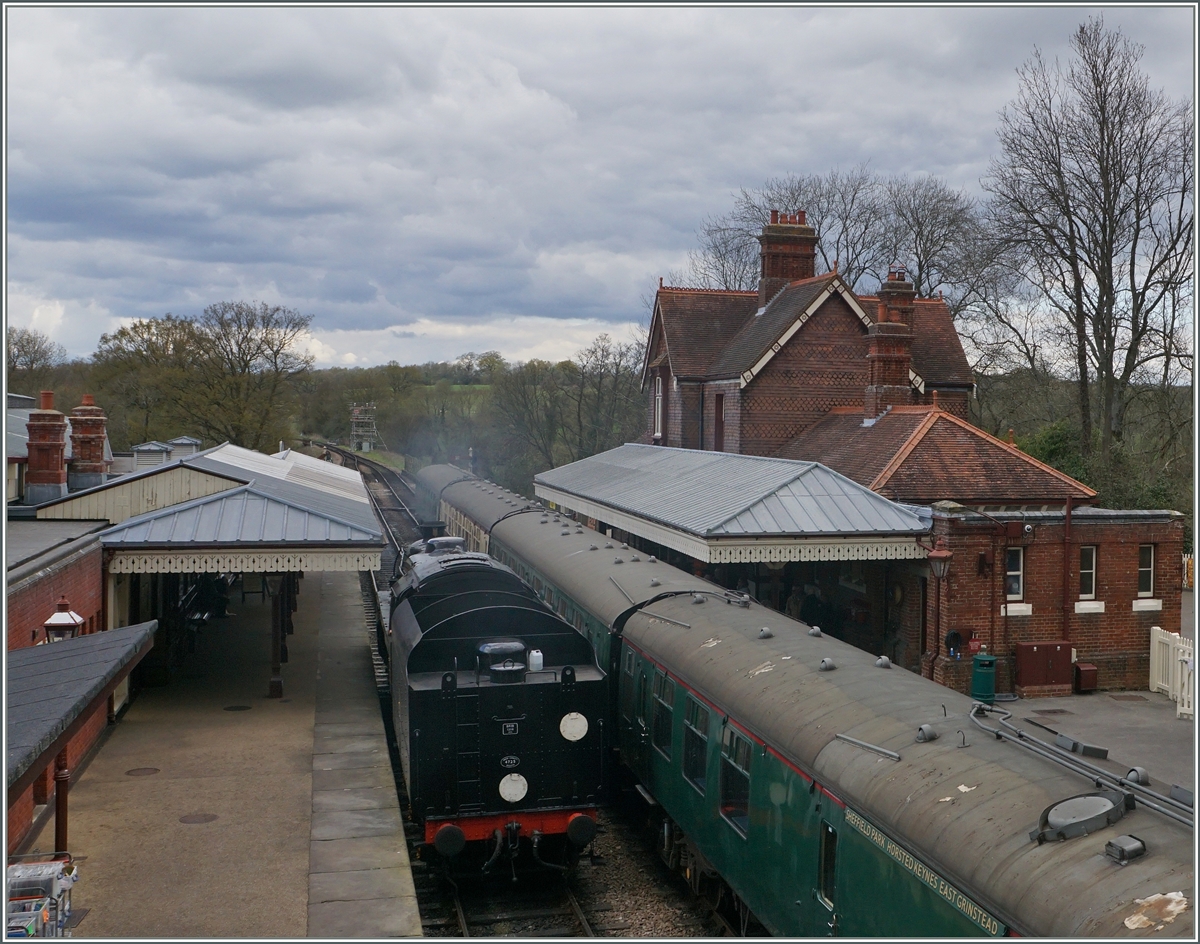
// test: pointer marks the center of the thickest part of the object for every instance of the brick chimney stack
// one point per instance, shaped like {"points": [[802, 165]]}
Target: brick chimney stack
{"points": [[88, 467], [46, 470], [889, 346], [788, 253]]}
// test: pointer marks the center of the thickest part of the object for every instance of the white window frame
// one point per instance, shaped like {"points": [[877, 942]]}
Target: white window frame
{"points": [[1146, 593], [658, 403], [1087, 570], [1020, 572]]}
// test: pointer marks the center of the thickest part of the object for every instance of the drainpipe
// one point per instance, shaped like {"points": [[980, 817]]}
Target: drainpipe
{"points": [[1066, 582], [701, 444]]}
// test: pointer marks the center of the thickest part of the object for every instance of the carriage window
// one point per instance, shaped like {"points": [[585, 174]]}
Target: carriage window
{"points": [[695, 744], [641, 697], [629, 662], [828, 855], [735, 780], [664, 701]]}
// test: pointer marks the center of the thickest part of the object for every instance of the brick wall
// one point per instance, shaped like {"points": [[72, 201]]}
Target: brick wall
{"points": [[823, 366], [81, 581], [1116, 641]]}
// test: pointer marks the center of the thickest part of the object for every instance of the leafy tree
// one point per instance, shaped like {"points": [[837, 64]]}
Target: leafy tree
{"points": [[227, 375]]}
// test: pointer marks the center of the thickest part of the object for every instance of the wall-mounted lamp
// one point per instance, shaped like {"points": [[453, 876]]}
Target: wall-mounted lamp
{"points": [[64, 623]]}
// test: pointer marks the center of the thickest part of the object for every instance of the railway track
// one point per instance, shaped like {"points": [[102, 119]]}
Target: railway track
{"points": [[625, 892]]}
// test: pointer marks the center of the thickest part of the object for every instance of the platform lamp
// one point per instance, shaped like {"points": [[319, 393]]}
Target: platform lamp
{"points": [[939, 563], [64, 623]]}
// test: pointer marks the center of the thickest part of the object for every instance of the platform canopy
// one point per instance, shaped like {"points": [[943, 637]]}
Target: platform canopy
{"points": [[52, 689], [721, 507]]}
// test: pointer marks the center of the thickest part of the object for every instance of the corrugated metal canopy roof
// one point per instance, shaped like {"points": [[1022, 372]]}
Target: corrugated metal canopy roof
{"points": [[246, 516], [719, 494]]}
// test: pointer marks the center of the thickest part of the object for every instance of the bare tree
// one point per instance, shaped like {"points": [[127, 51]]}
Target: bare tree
{"points": [[1093, 196], [933, 229], [30, 357]]}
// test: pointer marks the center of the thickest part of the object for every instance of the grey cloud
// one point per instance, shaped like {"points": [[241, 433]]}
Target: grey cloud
{"points": [[375, 166]]}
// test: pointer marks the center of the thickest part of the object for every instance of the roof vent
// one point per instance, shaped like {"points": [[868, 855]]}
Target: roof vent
{"points": [[814, 631], [624, 547], [652, 559], [654, 582], [592, 547], [697, 598], [618, 560], [564, 533], [634, 557], [827, 665], [1080, 815], [765, 633], [883, 662], [1124, 849], [609, 544], [926, 733], [1138, 775]]}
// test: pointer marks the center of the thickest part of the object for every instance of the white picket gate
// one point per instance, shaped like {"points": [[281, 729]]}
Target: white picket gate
{"points": [[1172, 670]]}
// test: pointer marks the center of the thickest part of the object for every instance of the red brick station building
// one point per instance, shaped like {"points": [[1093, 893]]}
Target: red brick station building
{"points": [[876, 388]]}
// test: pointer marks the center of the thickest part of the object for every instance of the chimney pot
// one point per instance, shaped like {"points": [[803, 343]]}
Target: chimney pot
{"points": [[802, 218], [47, 399], [1010, 437], [88, 400], [774, 216]]}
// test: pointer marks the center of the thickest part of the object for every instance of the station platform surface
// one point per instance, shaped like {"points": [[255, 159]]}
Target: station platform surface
{"points": [[214, 811]]}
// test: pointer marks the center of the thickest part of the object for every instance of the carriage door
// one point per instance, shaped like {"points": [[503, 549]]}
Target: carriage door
{"points": [[641, 731], [825, 915]]}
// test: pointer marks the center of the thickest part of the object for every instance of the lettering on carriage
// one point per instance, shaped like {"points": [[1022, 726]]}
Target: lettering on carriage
{"points": [[925, 874]]}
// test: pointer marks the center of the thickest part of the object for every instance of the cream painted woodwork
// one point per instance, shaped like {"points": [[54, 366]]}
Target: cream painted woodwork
{"points": [[268, 561], [120, 500]]}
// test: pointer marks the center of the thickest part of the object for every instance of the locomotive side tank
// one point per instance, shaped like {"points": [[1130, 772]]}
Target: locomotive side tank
{"points": [[498, 708]]}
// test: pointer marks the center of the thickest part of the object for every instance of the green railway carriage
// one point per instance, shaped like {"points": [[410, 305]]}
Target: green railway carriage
{"points": [[787, 771]]}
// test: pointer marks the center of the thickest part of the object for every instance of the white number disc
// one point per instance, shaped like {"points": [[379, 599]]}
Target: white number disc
{"points": [[513, 788], [573, 726]]}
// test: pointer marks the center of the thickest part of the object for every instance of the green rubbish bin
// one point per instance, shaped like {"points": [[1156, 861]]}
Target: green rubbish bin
{"points": [[983, 678]]}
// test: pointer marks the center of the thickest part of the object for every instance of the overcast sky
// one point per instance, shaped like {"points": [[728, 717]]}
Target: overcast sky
{"points": [[426, 182]]}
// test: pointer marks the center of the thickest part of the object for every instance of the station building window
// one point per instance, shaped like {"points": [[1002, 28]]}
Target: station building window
{"points": [[1146, 570], [735, 779], [1014, 573], [1087, 572], [695, 745], [664, 704]]}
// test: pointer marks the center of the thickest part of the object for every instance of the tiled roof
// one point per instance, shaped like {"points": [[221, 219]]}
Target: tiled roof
{"points": [[744, 350], [920, 455], [700, 323], [937, 351], [841, 442]]}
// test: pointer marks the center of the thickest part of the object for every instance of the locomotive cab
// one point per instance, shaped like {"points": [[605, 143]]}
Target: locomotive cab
{"points": [[499, 712]]}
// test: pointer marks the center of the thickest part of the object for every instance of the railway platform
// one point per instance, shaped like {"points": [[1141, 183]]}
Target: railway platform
{"points": [[215, 812]]}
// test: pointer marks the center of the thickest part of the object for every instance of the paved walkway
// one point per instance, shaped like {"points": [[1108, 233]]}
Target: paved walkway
{"points": [[277, 820]]}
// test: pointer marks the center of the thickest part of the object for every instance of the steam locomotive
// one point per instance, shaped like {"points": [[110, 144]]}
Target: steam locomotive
{"points": [[498, 707]]}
